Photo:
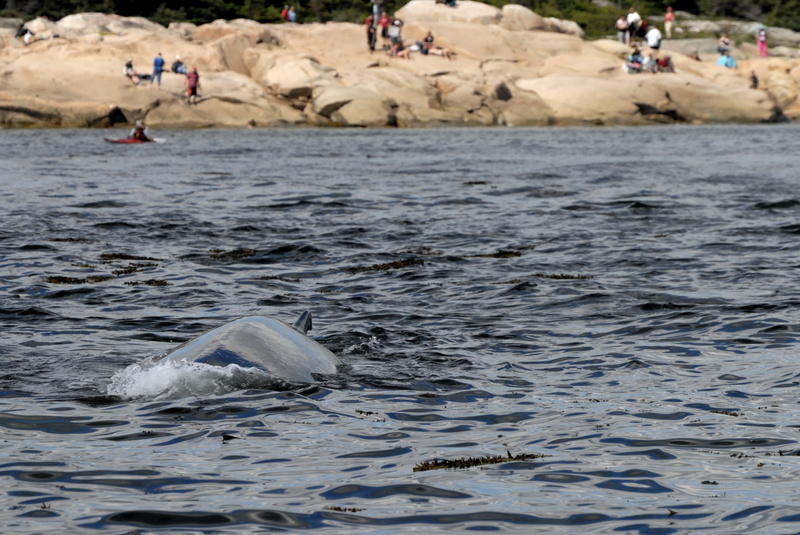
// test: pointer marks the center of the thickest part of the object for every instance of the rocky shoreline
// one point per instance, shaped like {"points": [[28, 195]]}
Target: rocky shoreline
{"points": [[512, 68]]}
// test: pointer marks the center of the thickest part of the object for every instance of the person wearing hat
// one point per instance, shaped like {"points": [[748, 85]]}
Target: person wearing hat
{"points": [[178, 66], [138, 132]]}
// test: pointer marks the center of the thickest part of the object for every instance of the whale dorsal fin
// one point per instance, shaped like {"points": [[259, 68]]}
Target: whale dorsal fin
{"points": [[303, 323]]}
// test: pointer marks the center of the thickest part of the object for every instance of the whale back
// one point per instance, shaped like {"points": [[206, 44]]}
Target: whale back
{"points": [[269, 344]]}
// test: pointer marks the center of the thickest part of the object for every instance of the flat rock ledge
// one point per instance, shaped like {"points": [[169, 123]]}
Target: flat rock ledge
{"points": [[512, 67]]}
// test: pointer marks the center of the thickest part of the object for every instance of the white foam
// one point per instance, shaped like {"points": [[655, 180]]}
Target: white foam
{"points": [[172, 380]]}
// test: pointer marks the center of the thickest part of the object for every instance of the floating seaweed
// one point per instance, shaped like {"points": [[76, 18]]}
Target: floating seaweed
{"points": [[513, 253], [438, 464], [107, 258], [726, 413], [150, 282], [235, 254], [71, 240], [343, 509], [561, 276], [276, 278], [60, 279], [133, 268], [399, 264]]}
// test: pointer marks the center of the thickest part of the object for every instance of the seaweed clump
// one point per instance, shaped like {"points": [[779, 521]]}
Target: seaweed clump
{"points": [[561, 276], [438, 464], [236, 254], [399, 264], [60, 279], [343, 509]]}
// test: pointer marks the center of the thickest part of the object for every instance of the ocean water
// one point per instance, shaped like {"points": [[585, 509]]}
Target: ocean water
{"points": [[604, 320]]}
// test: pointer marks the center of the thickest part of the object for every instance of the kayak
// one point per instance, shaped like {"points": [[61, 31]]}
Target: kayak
{"points": [[132, 140]]}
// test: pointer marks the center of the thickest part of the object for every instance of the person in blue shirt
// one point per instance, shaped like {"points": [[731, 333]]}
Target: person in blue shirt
{"points": [[158, 68], [725, 60]]}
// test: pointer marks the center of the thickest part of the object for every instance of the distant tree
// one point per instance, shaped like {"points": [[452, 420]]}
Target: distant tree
{"points": [[784, 13], [740, 9]]}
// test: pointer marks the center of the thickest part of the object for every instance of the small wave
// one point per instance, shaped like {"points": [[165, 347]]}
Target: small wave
{"points": [[174, 380]]}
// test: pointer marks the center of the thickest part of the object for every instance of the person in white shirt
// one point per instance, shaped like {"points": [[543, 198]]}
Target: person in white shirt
{"points": [[653, 38], [633, 19]]}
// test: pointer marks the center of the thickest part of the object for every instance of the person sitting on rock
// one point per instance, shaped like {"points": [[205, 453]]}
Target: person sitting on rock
{"points": [[131, 73], [435, 49], [650, 63], [665, 64], [178, 66], [635, 60], [139, 133], [725, 60], [399, 50]]}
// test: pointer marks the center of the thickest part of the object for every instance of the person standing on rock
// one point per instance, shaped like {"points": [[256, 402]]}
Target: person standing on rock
{"points": [[669, 20], [192, 85], [371, 37], [653, 38], [383, 22], [158, 68], [762, 44], [622, 30], [292, 15], [394, 31], [634, 19]]}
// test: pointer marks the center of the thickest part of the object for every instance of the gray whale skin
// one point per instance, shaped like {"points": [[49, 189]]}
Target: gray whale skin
{"points": [[278, 348]]}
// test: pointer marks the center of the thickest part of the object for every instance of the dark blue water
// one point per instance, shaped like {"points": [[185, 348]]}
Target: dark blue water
{"points": [[621, 302]]}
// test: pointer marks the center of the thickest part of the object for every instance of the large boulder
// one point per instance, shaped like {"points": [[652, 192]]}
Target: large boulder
{"points": [[27, 111], [520, 18], [81, 24], [185, 30], [216, 112], [218, 29], [426, 11], [295, 76], [353, 106], [568, 27]]}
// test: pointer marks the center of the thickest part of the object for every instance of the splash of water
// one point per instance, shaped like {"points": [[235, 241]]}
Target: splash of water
{"points": [[174, 380]]}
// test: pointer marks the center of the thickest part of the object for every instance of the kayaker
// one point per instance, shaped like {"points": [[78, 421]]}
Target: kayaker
{"points": [[138, 132]]}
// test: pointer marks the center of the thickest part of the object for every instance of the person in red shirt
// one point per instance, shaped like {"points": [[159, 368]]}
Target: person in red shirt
{"points": [[192, 83], [285, 13], [383, 22]]}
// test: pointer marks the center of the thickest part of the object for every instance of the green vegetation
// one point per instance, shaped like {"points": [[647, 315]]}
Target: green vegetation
{"points": [[594, 19]]}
